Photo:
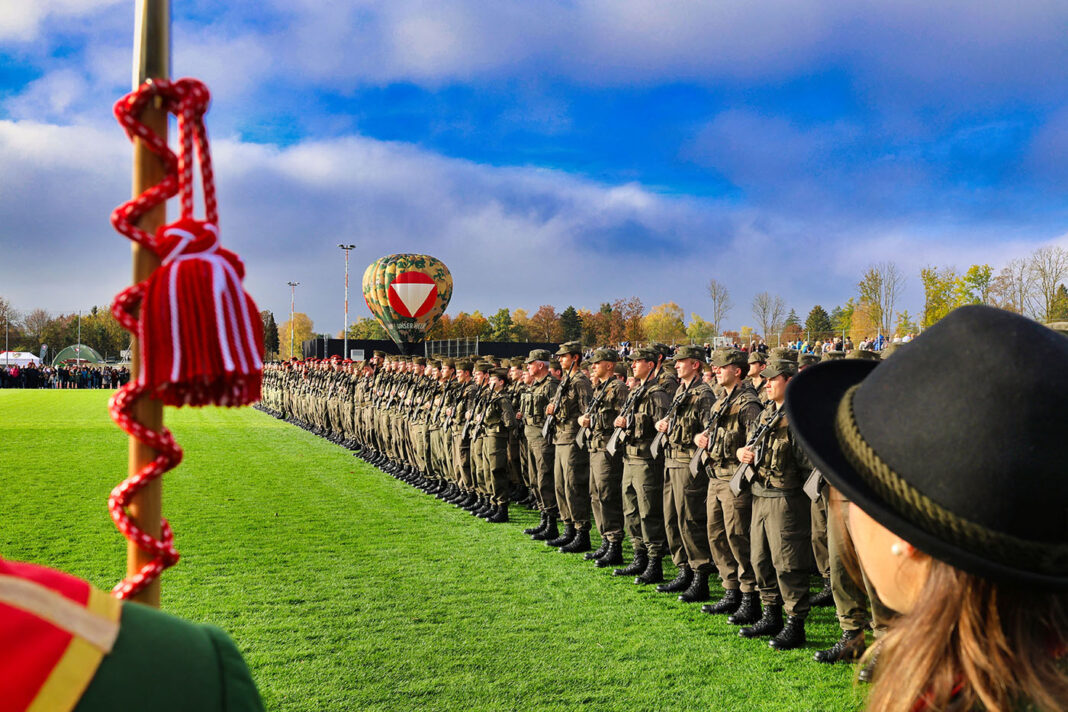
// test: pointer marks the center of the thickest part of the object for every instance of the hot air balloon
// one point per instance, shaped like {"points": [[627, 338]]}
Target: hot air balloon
{"points": [[407, 294]]}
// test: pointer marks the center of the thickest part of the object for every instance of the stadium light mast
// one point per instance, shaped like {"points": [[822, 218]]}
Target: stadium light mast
{"points": [[345, 333], [292, 314]]}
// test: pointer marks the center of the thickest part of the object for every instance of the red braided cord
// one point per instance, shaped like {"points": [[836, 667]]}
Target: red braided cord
{"points": [[189, 99]]}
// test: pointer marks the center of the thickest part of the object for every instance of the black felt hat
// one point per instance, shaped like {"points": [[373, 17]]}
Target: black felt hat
{"points": [[956, 444]]}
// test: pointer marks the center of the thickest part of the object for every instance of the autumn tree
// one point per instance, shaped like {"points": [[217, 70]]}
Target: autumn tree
{"points": [[441, 329], [34, 325], [545, 325], [631, 312], [865, 321], [664, 323], [769, 311], [879, 290], [1013, 288], [521, 320], [292, 333], [1049, 267], [594, 327], [721, 303]]}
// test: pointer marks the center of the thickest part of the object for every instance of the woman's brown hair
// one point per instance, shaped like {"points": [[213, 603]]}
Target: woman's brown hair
{"points": [[969, 644]]}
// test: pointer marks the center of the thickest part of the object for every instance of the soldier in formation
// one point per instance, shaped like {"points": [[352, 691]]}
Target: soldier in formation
{"points": [[688, 457]]}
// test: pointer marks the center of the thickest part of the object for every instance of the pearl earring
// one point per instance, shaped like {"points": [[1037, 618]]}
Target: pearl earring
{"points": [[896, 549]]}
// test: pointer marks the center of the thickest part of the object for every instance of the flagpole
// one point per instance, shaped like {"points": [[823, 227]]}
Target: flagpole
{"points": [[152, 55]]}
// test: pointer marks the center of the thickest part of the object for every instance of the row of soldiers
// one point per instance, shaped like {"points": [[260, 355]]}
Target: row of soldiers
{"points": [[689, 457]]}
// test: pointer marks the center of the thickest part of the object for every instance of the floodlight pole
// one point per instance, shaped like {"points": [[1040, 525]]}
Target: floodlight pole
{"points": [[292, 315], [345, 333], [152, 60]]}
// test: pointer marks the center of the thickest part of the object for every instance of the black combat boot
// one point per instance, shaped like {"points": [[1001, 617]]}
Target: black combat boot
{"points": [[867, 673], [612, 556], [480, 506], [732, 598], [489, 512], [641, 560], [748, 611], [591, 555], [541, 525], [580, 543], [550, 531], [679, 583], [848, 648], [654, 572], [500, 516], [791, 636], [769, 624], [469, 502], [698, 590], [825, 597], [564, 539]]}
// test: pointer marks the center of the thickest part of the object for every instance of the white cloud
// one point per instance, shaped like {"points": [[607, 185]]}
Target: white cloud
{"points": [[516, 237], [21, 20]]}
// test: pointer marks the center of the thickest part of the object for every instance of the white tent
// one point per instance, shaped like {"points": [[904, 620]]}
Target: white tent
{"points": [[18, 358]]}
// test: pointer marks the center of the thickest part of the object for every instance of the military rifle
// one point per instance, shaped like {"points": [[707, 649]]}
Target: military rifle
{"points": [[701, 456], [673, 411], [746, 471], [619, 435], [598, 396], [549, 428]]}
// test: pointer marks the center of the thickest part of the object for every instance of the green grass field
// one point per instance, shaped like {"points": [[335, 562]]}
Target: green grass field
{"points": [[349, 590]]}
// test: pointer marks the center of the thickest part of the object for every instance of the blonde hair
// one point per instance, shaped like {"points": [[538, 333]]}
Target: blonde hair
{"points": [[970, 643]]}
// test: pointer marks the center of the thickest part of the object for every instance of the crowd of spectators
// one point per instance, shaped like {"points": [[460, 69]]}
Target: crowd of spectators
{"points": [[876, 343], [95, 376]]}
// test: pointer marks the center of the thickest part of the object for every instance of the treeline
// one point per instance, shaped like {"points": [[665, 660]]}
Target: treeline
{"points": [[1032, 286], [32, 330]]}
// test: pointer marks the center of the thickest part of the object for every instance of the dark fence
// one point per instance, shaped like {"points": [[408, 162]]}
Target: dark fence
{"points": [[364, 348]]}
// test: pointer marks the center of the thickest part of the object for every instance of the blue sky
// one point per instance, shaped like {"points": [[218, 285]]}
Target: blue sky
{"points": [[555, 152]]}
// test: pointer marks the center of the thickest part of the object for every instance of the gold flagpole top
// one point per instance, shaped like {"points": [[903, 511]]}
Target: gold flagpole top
{"points": [[152, 41]]}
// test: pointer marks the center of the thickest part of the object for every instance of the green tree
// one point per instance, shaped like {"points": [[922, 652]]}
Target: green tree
{"points": [[939, 293], [1059, 309], [973, 287], [502, 328], [905, 325], [367, 328], [818, 325], [842, 318], [571, 324], [700, 331], [270, 333]]}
